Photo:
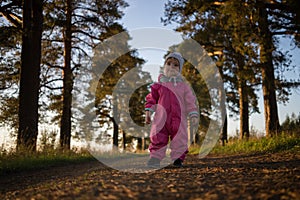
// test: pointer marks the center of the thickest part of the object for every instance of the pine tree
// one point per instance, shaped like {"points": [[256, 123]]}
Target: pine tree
{"points": [[82, 25], [29, 77], [223, 37], [10, 51], [108, 106], [238, 29]]}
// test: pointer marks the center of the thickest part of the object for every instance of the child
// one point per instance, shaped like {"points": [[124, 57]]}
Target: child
{"points": [[173, 101]]}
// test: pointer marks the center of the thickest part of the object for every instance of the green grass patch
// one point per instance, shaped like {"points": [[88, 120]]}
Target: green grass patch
{"points": [[255, 145], [15, 162]]}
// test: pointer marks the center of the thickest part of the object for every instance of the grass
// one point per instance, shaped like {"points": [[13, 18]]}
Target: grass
{"points": [[255, 145], [15, 162]]}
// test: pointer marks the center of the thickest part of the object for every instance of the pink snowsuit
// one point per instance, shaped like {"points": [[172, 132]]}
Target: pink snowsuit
{"points": [[173, 101]]}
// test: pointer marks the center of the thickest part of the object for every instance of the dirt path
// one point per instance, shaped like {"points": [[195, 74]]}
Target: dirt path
{"points": [[265, 176]]}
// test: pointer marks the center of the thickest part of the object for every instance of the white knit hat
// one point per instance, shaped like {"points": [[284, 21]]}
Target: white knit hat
{"points": [[177, 56]]}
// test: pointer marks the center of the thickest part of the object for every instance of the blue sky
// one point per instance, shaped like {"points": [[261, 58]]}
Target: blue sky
{"points": [[145, 13]]}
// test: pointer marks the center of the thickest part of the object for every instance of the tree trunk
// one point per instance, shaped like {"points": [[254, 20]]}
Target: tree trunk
{"points": [[141, 144], [244, 110], [115, 120], [30, 72], [224, 136], [65, 127], [268, 80], [224, 131], [243, 98], [115, 134], [124, 140]]}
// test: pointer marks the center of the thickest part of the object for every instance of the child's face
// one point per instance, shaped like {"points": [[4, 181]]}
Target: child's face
{"points": [[171, 67]]}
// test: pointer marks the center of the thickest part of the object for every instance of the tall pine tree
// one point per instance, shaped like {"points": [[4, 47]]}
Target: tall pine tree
{"points": [[244, 32], [77, 26], [30, 72]]}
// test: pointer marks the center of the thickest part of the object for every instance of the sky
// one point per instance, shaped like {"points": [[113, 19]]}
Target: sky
{"points": [[145, 13]]}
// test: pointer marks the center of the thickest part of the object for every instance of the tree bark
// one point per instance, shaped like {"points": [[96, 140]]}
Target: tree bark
{"points": [[224, 137], [268, 79], [141, 144], [124, 139], [65, 127], [224, 131], [116, 126], [243, 98], [30, 72], [244, 110]]}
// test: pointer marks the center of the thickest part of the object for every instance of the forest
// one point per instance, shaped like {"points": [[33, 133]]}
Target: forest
{"points": [[47, 48], [68, 74]]}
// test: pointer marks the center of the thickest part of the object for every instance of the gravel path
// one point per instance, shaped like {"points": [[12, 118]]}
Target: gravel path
{"points": [[260, 176]]}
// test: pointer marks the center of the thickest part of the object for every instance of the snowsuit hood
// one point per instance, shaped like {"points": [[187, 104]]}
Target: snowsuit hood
{"points": [[164, 79]]}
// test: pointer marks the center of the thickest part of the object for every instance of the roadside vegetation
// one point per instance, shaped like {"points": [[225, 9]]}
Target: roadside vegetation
{"points": [[14, 162], [288, 140], [260, 145], [255, 145], [48, 155]]}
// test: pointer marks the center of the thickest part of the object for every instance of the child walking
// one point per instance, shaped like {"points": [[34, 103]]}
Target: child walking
{"points": [[173, 101]]}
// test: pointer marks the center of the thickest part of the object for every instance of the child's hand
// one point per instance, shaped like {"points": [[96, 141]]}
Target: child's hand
{"points": [[148, 117], [194, 121]]}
